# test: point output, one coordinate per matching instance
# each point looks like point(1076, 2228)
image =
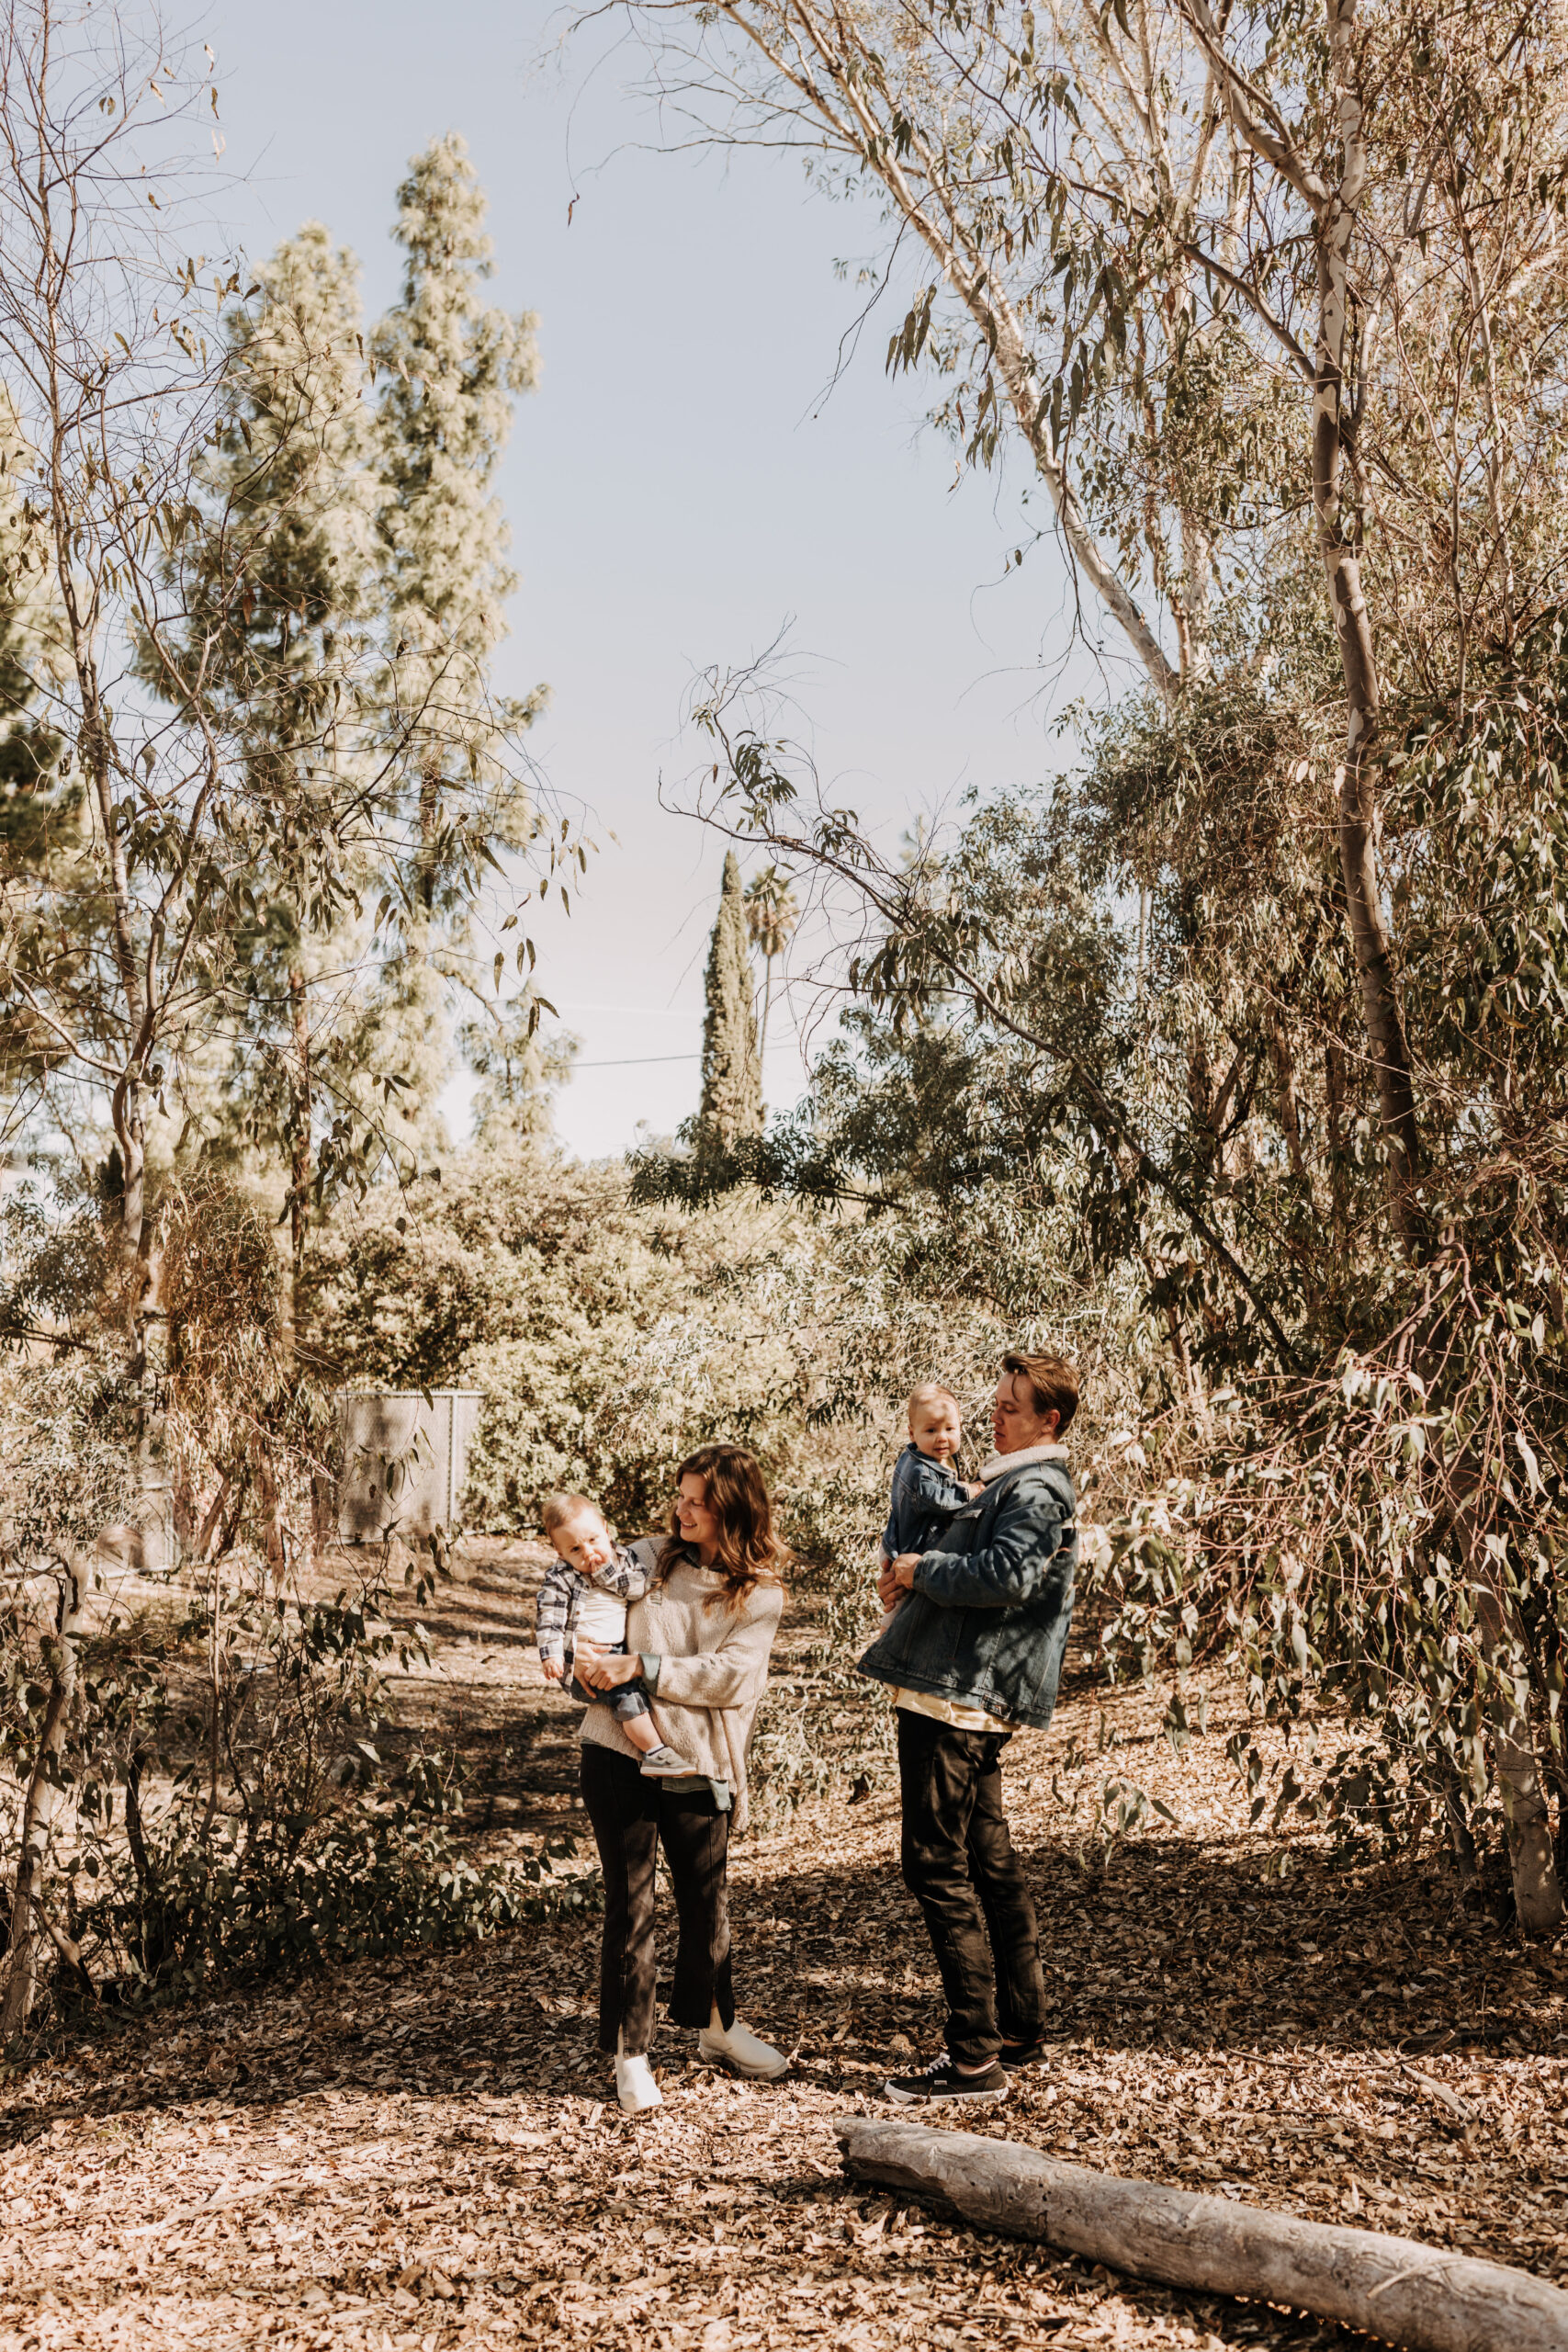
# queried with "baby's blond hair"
point(556, 1510)
point(927, 1394)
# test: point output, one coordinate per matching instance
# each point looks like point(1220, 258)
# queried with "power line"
point(645, 1061)
point(637, 1061)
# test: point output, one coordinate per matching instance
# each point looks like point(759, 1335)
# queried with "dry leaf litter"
point(427, 2152)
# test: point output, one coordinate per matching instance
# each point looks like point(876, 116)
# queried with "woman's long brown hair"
point(748, 1551)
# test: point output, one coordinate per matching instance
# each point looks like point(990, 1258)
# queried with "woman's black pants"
point(632, 1817)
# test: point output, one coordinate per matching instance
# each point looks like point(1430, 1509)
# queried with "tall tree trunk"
point(301, 1163)
point(1334, 1110)
point(1500, 1641)
point(1338, 501)
point(1289, 1109)
point(47, 1799)
point(1532, 1864)
point(429, 820)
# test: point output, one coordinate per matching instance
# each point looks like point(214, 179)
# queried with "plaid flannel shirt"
point(561, 1596)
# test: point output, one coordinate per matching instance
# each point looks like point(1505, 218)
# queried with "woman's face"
point(699, 1526)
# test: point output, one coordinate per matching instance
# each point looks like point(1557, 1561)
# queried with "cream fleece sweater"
point(713, 1667)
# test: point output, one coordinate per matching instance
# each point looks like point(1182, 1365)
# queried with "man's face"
point(1014, 1421)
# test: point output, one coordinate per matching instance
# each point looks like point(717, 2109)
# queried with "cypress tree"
point(732, 1068)
point(448, 365)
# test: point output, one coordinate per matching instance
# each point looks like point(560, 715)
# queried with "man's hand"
point(600, 1672)
point(553, 1669)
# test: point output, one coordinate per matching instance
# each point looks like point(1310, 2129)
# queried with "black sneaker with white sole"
point(943, 2080)
point(1014, 2056)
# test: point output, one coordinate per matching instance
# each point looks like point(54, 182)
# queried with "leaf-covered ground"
point(427, 2152)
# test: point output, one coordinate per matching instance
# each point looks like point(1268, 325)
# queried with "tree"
point(772, 914)
point(1341, 1426)
point(360, 651)
point(1210, 286)
point(120, 961)
point(291, 507)
point(119, 966)
point(732, 1072)
point(40, 810)
point(183, 472)
point(521, 1070)
point(448, 366)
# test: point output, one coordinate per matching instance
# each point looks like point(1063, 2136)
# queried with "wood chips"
point(427, 2152)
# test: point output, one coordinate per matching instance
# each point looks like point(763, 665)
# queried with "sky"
point(688, 481)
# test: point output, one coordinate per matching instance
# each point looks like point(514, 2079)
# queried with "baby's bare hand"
point(552, 1670)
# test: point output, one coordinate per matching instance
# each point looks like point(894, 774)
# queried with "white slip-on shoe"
point(635, 2086)
point(739, 2049)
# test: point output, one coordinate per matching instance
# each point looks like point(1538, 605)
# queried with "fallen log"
point(1415, 2296)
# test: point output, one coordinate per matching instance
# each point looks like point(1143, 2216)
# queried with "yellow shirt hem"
point(949, 1711)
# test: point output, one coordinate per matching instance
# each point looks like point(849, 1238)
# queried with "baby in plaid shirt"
point(584, 1599)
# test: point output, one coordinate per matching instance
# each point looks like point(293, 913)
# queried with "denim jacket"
point(987, 1622)
point(925, 1495)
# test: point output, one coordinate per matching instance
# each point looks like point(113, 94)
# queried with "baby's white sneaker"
point(635, 2086)
point(738, 2048)
point(666, 1763)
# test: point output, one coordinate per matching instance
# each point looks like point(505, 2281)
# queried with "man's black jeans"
point(961, 1869)
point(632, 1817)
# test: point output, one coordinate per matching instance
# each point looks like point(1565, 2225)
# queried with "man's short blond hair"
point(927, 1394)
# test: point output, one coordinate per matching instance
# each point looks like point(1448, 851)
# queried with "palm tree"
point(772, 913)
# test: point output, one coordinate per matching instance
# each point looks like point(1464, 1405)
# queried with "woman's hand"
point(600, 1672)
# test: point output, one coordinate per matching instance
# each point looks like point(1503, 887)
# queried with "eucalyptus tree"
point(1216, 275)
point(117, 967)
point(119, 956)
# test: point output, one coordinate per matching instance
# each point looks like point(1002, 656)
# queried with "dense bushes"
point(194, 1792)
point(608, 1339)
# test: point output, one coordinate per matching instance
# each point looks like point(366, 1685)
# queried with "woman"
point(700, 1639)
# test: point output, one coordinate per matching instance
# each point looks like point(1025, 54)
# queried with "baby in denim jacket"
point(927, 1489)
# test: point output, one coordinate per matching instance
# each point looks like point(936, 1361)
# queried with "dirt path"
point(422, 2153)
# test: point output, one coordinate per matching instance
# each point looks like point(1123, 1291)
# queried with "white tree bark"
point(1532, 1863)
point(47, 1798)
point(1337, 503)
point(1415, 2296)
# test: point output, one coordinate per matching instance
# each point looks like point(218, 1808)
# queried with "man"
point(973, 1651)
